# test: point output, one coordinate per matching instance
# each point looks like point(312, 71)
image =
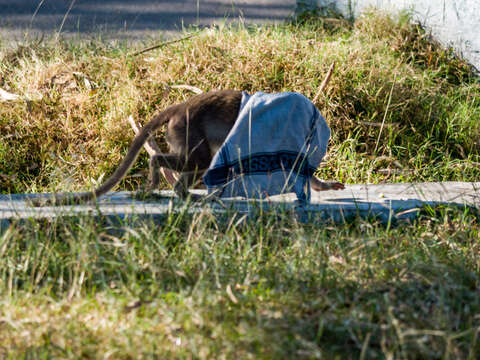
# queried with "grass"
point(78, 131)
point(268, 287)
point(265, 287)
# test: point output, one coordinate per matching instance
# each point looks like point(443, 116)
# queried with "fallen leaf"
point(335, 260)
point(6, 96)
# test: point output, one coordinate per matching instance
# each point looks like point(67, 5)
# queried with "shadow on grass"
point(427, 312)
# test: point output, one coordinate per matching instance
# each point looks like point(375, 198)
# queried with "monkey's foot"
point(318, 185)
point(38, 202)
point(194, 197)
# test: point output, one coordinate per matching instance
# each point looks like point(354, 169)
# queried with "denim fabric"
point(275, 145)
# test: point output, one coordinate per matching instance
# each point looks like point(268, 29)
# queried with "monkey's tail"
point(118, 174)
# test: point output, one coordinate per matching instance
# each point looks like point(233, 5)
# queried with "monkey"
point(196, 129)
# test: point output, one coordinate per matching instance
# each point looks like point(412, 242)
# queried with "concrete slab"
point(384, 201)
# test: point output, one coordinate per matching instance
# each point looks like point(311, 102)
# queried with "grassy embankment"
point(386, 73)
point(267, 288)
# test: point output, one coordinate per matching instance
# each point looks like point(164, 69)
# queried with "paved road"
point(134, 18)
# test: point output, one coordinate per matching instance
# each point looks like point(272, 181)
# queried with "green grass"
point(268, 287)
point(265, 287)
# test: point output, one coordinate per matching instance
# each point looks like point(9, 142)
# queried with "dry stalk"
point(324, 83)
point(165, 43)
point(187, 87)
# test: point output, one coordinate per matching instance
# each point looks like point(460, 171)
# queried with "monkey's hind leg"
point(186, 181)
point(167, 161)
point(190, 174)
point(319, 185)
point(156, 163)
